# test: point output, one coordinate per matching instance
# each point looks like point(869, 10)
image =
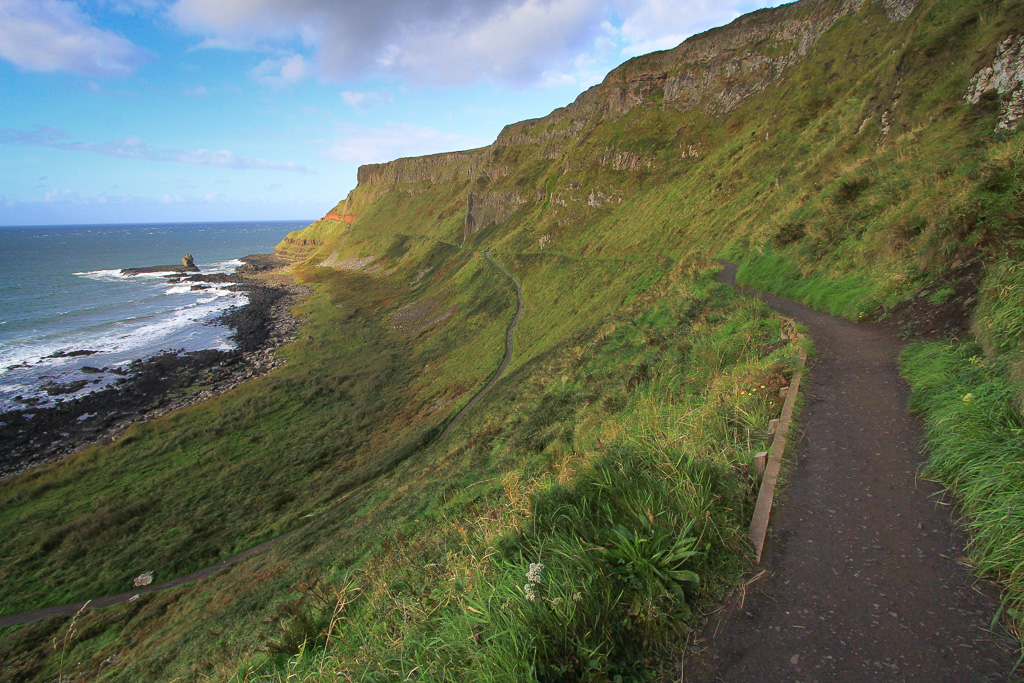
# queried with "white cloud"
point(55, 35)
point(62, 196)
point(134, 7)
point(281, 72)
point(227, 159)
point(97, 89)
point(587, 69)
point(515, 43)
point(522, 42)
point(366, 99)
point(364, 145)
point(434, 41)
point(662, 24)
point(225, 44)
point(136, 148)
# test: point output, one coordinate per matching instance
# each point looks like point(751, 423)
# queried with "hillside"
point(860, 155)
point(843, 139)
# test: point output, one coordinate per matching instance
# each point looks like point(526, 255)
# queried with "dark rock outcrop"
point(487, 208)
point(257, 263)
point(188, 265)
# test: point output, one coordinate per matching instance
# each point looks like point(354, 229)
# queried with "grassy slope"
point(658, 444)
point(339, 434)
point(818, 205)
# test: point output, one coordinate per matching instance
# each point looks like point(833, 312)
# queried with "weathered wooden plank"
point(766, 494)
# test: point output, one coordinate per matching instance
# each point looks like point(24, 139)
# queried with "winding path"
point(862, 579)
point(508, 348)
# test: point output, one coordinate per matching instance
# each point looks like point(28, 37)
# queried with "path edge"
point(766, 494)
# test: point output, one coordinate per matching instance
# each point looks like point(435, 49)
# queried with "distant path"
point(508, 348)
point(74, 607)
point(863, 581)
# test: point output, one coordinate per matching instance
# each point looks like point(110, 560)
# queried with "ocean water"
point(62, 291)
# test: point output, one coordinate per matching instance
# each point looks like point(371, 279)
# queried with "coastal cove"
point(96, 349)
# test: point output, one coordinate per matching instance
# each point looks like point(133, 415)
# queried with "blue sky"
point(119, 111)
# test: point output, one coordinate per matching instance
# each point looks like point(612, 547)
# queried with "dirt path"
point(508, 348)
point(862, 579)
point(73, 608)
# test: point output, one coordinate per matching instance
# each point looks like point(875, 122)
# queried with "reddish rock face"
point(332, 216)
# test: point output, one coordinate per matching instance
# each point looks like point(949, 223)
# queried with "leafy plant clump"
point(652, 557)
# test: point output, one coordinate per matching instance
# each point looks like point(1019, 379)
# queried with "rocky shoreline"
point(155, 386)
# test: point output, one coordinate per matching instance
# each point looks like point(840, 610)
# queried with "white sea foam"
point(105, 275)
point(147, 334)
point(217, 292)
point(166, 326)
point(228, 266)
point(115, 275)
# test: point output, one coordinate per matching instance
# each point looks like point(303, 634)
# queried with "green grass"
point(998, 322)
point(851, 296)
point(156, 499)
point(635, 501)
point(426, 544)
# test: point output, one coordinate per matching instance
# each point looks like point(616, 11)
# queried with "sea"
point(65, 306)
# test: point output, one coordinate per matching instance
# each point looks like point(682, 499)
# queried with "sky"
point(135, 111)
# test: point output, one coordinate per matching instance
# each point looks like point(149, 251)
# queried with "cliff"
point(760, 134)
point(435, 168)
point(708, 75)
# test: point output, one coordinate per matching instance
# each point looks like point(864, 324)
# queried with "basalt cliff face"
point(712, 73)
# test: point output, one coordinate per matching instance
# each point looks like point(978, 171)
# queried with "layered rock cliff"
point(434, 168)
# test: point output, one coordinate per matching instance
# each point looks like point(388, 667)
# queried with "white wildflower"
point(528, 591)
point(536, 573)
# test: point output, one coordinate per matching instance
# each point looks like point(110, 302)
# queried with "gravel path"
point(863, 580)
